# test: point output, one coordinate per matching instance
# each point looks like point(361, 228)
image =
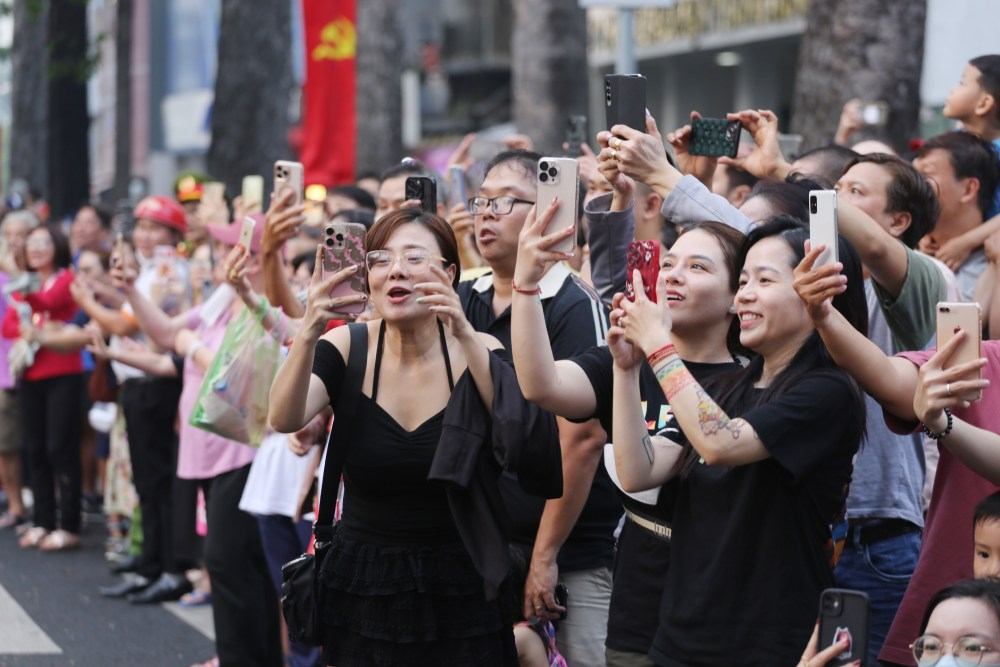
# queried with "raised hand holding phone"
point(559, 178)
point(343, 245)
point(823, 227)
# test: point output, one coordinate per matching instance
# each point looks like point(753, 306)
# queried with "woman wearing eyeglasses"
point(402, 587)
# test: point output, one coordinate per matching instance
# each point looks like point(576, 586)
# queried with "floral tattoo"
point(712, 419)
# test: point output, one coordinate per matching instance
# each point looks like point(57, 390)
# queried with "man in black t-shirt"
point(570, 539)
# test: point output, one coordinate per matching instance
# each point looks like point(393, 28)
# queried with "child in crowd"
point(986, 523)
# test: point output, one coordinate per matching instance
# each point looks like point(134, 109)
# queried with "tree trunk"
point(69, 122)
point(250, 115)
point(867, 49)
point(379, 103)
point(549, 68)
point(123, 100)
point(29, 147)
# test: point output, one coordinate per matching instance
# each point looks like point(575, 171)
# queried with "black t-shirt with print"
point(641, 559)
point(751, 542)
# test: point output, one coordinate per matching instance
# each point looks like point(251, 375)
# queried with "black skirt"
point(412, 605)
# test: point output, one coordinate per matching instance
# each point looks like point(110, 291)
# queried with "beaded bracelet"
point(528, 292)
point(937, 436)
point(661, 354)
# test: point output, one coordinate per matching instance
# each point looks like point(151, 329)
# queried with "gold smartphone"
point(967, 317)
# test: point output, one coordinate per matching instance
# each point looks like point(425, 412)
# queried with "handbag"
point(233, 399)
point(302, 593)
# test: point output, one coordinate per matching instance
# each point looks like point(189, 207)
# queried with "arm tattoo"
point(647, 444)
point(712, 419)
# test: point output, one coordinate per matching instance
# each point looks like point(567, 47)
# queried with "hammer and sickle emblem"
point(338, 41)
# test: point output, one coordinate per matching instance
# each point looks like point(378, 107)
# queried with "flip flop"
point(196, 599)
point(59, 540)
point(33, 537)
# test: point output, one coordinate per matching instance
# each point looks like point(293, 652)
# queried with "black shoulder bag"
point(301, 591)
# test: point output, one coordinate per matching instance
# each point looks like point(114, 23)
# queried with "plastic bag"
point(233, 399)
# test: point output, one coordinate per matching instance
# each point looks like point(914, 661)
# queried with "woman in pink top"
point(50, 384)
point(244, 603)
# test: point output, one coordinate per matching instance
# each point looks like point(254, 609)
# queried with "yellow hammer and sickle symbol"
point(338, 41)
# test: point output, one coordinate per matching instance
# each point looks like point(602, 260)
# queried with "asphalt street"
point(51, 614)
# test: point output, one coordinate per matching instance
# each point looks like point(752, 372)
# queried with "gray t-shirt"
point(889, 469)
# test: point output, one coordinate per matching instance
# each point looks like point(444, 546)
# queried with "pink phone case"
point(344, 245)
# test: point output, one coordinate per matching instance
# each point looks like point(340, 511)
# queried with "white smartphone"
point(289, 174)
point(559, 177)
point(823, 224)
point(246, 231)
point(252, 193)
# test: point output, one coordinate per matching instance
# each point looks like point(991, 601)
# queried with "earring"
point(732, 310)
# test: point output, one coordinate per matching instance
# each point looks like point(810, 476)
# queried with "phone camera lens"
point(328, 231)
point(553, 172)
point(329, 243)
point(544, 166)
point(812, 204)
point(340, 237)
point(543, 177)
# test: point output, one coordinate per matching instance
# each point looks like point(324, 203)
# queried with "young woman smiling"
point(765, 466)
point(700, 271)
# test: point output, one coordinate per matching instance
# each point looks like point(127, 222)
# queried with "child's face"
point(986, 561)
point(964, 96)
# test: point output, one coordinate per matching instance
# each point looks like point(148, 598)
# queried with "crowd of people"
point(537, 470)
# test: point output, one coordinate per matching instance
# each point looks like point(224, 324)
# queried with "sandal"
point(8, 520)
point(196, 599)
point(33, 537)
point(60, 540)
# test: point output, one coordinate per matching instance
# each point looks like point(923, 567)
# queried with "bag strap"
point(336, 444)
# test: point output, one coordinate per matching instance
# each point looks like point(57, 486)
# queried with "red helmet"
point(163, 210)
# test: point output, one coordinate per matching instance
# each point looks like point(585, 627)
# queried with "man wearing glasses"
point(569, 540)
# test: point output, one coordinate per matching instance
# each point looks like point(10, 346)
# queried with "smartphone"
point(423, 188)
point(214, 192)
point(287, 175)
point(559, 177)
point(246, 231)
point(576, 134)
point(823, 224)
point(561, 595)
point(715, 137)
point(644, 256)
point(119, 258)
point(625, 100)
point(456, 181)
point(252, 193)
point(165, 262)
point(843, 614)
point(875, 112)
point(967, 317)
point(344, 245)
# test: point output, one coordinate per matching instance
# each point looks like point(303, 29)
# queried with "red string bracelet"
point(531, 292)
point(661, 354)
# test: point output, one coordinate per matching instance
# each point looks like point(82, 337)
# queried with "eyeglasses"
point(968, 651)
point(500, 205)
point(413, 259)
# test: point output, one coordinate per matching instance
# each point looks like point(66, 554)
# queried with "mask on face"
point(949, 660)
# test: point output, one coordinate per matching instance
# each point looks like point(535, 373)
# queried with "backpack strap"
point(336, 445)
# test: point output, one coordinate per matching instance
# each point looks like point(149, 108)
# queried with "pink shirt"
point(202, 454)
point(947, 550)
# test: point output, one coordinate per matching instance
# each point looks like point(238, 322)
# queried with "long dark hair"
point(737, 395)
point(62, 258)
point(984, 590)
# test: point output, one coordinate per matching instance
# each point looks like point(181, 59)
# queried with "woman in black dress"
point(402, 587)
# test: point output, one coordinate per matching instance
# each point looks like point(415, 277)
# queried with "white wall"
point(957, 31)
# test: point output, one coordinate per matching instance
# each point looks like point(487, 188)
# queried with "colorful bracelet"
point(937, 436)
point(661, 354)
point(528, 292)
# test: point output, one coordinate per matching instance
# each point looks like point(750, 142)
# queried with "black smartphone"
point(561, 594)
point(423, 188)
point(843, 614)
point(576, 134)
point(625, 100)
point(715, 137)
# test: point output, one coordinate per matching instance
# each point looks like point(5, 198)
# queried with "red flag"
point(328, 123)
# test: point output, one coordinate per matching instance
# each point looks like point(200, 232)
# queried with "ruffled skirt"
point(414, 605)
